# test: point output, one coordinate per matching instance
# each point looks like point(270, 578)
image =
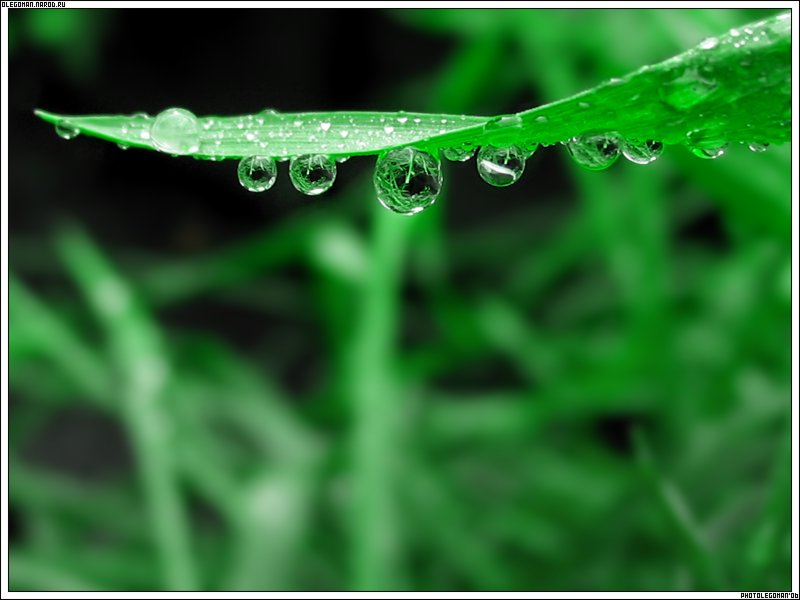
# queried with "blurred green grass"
point(587, 395)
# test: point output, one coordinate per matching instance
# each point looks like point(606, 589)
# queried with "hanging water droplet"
point(641, 153)
point(342, 159)
point(757, 147)
point(529, 147)
point(66, 130)
point(257, 173)
point(312, 174)
point(407, 180)
point(176, 131)
point(460, 153)
point(501, 167)
point(594, 152)
point(709, 152)
point(123, 146)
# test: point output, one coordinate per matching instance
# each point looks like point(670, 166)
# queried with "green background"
point(581, 382)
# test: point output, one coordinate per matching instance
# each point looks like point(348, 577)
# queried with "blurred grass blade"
point(140, 359)
point(731, 88)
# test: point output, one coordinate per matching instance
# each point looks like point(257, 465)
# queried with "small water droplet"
point(694, 85)
point(388, 129)
point(594, 152)
point(459, 153)
point(257, 173)
point(583, 105)
point(541, 119)
point(501, 167)
point(503, 122)
point(342, 159)
point(324, 126)
point(735, 33)
point(709, 43)
point(402, 120)
point(176, 131)
point(123, 146)
point(250, 136)
point(407, 180)
point(641, 153)
point(66, 130)
point(269, 112)
point(709, 152)
point(344, 133)
point(757, 147)
point(312, 174)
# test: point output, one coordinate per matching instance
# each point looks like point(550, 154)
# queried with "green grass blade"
point(732, 88)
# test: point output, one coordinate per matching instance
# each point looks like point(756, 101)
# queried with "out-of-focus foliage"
point(581, 382)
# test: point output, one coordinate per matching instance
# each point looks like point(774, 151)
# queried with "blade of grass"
point(676, 509)
point(729, 89)
point(140, 360)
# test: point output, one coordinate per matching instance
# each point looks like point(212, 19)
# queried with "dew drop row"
point(407, 180)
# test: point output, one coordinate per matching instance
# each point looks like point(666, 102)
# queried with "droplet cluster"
point(407, 179)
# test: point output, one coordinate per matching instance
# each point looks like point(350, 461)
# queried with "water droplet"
point(541, 119)
point(66, 130)
point(325, 126)
point(312, 174)
point(501, 167)
point(594, 152)
point(388, 129)
point(344, 133)
point(529, 147)
point(123, 146)
point(757, 147)
point(735, 32)
point(709, 43)
point(504, 129)
point(460, 153)
point(641, 153)
point(583, 105)
point(407, 180)
point(402, 120)
point(257, 173)
point(503, 122)
point(692, 87)
point(342, 159)
point(176, 131)
point(709, 152)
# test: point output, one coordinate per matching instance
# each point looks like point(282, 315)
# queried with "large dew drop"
point(312, 174)
point(709, 152)
point(66, 130)
point(407, 180)
point(257, 173)
point(641, 153)
point(176, 131)
point(594, 152)
point(501, 167)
